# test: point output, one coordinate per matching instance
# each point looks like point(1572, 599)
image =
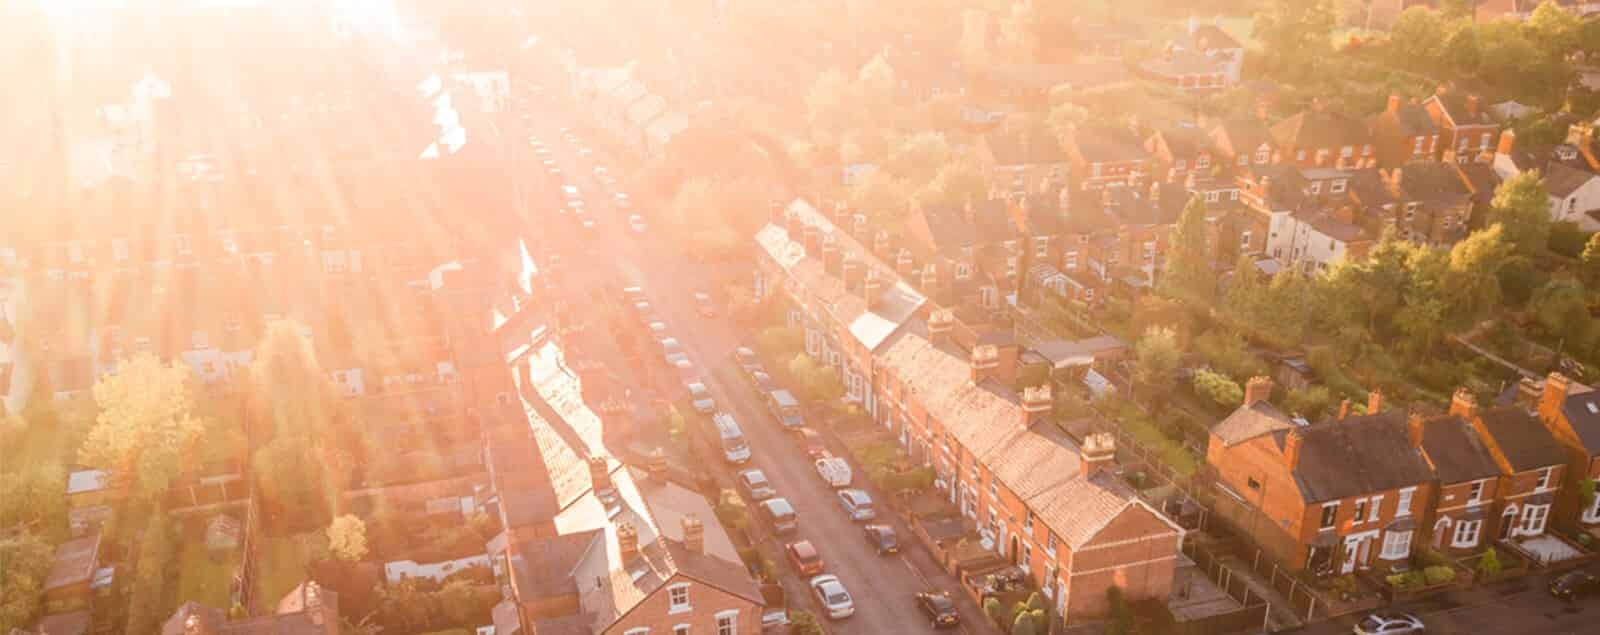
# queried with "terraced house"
point(1051, 505)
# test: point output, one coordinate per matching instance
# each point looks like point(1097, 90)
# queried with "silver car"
point(1389, 623)
point(832, 595)
point(701, 398)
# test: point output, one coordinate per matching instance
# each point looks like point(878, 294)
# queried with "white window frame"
point(1396, 545)
point(1475, 495)
point(638, 630)
point(1041, 247)
point(680, 629)
point(1373, 511)
point(1533, 520)
point(1265, 154)
point(1545, 476)
point(1244, 160)
point(1182, 164)
point(1070, 260)
point(1336, 187)
point(1346, 152)
point(1244, 239)
point(1213, 196)
point(1466, 534)
point(1202, 162)
point(1327, 521)
point(675, 604)
point(1361, 512)
point(1403, 508)
point(963, 271)
point(732, 625)
point(1416, 148)
point(1316, 187)
point(1592, 514)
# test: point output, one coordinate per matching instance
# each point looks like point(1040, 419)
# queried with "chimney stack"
point(1394, 105)
point(1099, 452)
point(793, 228)
point(1508, 142)
point(1528, 394)
point(1344, 409)
point(694, 534)
point(600, 474)
point(1554, 395)
point(1258, 389)
point(1374, 402)
point(871, 288)
point(1291, 448)
point(985, 361)
point(1037, 404)
point(851, 271)
point(941, 322)
point(841, 214)
point(1463, 404)
point(627, 543)
point(831, 260)
point(812, 239)
point(930, 279)
point(1414, 429)
point(903, 263)
point(656, 467)
point(880, 244)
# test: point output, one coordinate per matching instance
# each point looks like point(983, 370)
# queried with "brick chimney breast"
point(1374, 402)
point(1258, 389)
point(872, 287)
point(940, 324)
point(1291, 449)
point(1508, 142)
point(627, 543)
point(1344, 409)
point(1414, 428)
point(903, 263)
point(694, 534)
point(656, 467)
point(1037, 404)
point(1463, 404)
point(600, 474)
point(985, 360)
point(1099, 452)
point(1528, 393)
point(831, 260)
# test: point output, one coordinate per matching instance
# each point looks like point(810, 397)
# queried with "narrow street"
point(1521, 606)
point(882, 586)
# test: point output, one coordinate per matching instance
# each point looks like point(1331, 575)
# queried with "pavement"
point(882, 586)
point(1521, 606)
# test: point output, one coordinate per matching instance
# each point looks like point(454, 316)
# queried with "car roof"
point(855, 493)
point(753, 474)
point(941, 600)
point(778, 504)
point(804, 549)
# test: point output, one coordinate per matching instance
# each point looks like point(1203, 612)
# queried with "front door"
point(1351, 550)
point(1364, 554)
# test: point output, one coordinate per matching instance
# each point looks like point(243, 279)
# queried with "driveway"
point(882, 586)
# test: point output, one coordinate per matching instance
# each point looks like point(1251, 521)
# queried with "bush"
point(1311, 403)
point(992, 608)
point(1439, 574)
point(731, 510)
point(1567, 240)
point(1407, 580)
point(1218, 388)
point(1489, 563)
point(804, 623)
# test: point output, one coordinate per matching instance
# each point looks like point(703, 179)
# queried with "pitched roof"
point(1039, 463)
point(1023, 146)
point(1582, 411)
point(1524, 440)
point(1361, 454)
point(1410, 120)
point(1212, 35)
point(1184, 141)
point(1184, 62)
point(1562, 180)
point(1245, 135)
point(1320, 129)
point(1454, 105)
point(1248, 422)
point(75, 562)
point(1107, 145)
point(1457, 453)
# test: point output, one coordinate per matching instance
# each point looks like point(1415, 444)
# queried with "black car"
point(1574, 585)
point(939, 608)
point(882, 538)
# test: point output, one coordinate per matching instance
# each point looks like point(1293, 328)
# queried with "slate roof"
point(1015, 147)
point(75, 562)
point(1321, 129)
point(1040, 464)
point(1410, 121)
point(1368, 453)
point(1107, 145)
point(1524, 440)
point(1245, 135)
point(1184, 142)
point(1184, 63)
point(541, 566)
point(1457, 452)
point(1249, 422)
point(1425, 182)
point(1583, 413)
point(1455, 105)
point(1562, 180)
point(1059, 351)
point(1213, 36)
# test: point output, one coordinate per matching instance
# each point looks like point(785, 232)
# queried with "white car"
point(621, 200)
point(1389, 623)
point(636, 223)
point(701, 398)
point(600, 172)
point(832, 595)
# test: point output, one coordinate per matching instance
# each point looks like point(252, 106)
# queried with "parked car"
point(747, 360)
point(658, 330)
point(780, 515)
point(804, 558)
point(672, 351)
point(939, 608)
point(812, 442)
point(882, 538)
point(1574, 585)
point(774, 621)
point(1389, 623)
point(786, 408)
point(704, 305)
point(636, 223)
point(734, 447)
point(644, 311)
point(763, 382)
point(633, 294)
point(858, 504)
point(621, 200)
point(700, 398)
point(755, 484)
point(835, 471)
point(835, 600)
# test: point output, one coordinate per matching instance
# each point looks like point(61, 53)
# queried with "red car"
point(804, 558)
point(812, 442)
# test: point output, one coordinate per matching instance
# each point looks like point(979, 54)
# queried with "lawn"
point(283, 563)
point(205, 577)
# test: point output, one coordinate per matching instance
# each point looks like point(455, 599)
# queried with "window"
point(1027, 556)
point(1149, 250)
point(1202, 162)
point(1253, 483)
point(1244, 239)
point(1212, 197)
point(1027, 521)
point(677, 598)
point(1366, 150)
point(1233, 195)
point(1592, 514)
point(727, 623)
point(1316, 187)
point(1050, 539)
point(1466, 533)
point(1346, 152)
point(1330, 512)
point(1336, 187)
point(1181, 164)
point(1403, 508)
point(963, 271)
point(1072, 261)
point(1483, 141)
point(1322, 156)
point(1361, 511)
point(1041, 247)
point(1477, 493)
point(681, 629)
point(1396, 545)
point(1244, 159)
point(1544, 477)
point(642, 630)
point(1416, 148)
point(1533, 517)
point(1377, 503)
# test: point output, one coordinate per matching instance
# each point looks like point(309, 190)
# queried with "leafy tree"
point(1418, 37)
point(1561, 309)
point(291, 474)
point(993, 609)
point(1553, 28)
point(1227, 352)
point(1365, 293)
point(1218, 388)
point(876, 85)
point(1312, 403)
point(347, 538)
point(1462, 53)
point(146, 605)
point(831, 106)
point(407, 604)
point(820, 383)
point(1023, 625)
point(1064, 117)
point(804, 623)
point(1489, 563)
point(780, 341)
point(1471, 288)
point(883, 197)
point(1589, 262)
point(461, 602)
point(957, 184)
point(146, 424)
point(1295, 35)
point(1156, 357)
point(35, 497)
point(290, 391)
point(731, 510)
point(25, 561)
point(1244, 303)
point(919, 156)
point(1188, 274)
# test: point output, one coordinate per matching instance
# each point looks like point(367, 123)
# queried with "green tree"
point(291, 474)
point(1244, 303)
point(347, 538)
point(804, 623)
point(34, 498)
point(819, 382)
point(1156, 357)
point(1462, 53)
point(1553, 28)
point(1489, 563)
point(1561, 309)
point(461, 603)
point(1589, 262)
point(919, 156)
point(883, 197)
point(877, 86)
point(1472, 285)
point(25, 561)
point(146, 606)
point(407, 604)
point(1188, 274)
point(289, 390)
point(831, 107)
point(1418, 38)
point(957, 184)
point(1312, 403)
point(731, 510)
point(146, 424)
point(1065, 117)
point(1218, 388)
point(1295, 35)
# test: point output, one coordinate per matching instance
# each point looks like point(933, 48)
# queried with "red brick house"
point(1532, 465)
point(1467, 134)
point(1572, 414)
point(1466, 482)
point(1426, 203)
point(1242, 142)
point(1319, 138)
point(1102, 157)
point(1332, 497)
point(1051, 506)
point(1019, 158)
point(1404, 132)
point(1177, 151)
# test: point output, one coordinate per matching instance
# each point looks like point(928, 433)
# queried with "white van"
point(734, 447)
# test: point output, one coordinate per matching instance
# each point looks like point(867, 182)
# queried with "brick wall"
point(705, 602)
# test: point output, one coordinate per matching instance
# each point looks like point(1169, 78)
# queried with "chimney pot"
point(1394, 104)
point(694, 534)
point(1508, 142)
point(1528, 393)
point(656, 466)
point(851, 271)
point(599, 473)
point(627, 542)
point(1463, 404)
point(903, 263)
point(1374, 402)
point(831, 260)
point(940, 324)
point(1037, 404)
point(1258, 389)
point(1291, 449)
point(985, 360)
point(1099, 452)
point(872, 288)
point(1344, 409)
